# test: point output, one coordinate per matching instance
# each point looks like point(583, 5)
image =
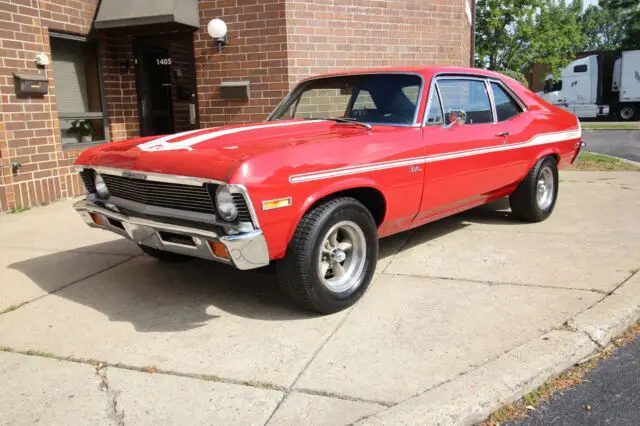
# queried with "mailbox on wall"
point(30, 84)
point(235, 90)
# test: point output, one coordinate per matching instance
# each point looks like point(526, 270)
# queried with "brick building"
point(119, 69)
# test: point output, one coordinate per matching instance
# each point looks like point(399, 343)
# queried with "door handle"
point(503, 134)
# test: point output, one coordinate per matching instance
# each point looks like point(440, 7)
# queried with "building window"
point(78, 90)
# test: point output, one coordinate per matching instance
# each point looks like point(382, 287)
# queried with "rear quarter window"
point(506, 106)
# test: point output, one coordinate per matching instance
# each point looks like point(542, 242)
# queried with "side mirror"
point(457, 117)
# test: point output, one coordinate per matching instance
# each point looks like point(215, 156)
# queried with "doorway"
point(166, 84)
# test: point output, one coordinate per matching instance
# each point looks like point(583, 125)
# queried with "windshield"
point(369, 98)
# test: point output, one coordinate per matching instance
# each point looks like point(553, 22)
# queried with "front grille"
point(160, 194)
point(87, 176)
point(243, 209)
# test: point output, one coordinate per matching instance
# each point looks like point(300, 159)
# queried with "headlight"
point(101, 187)
point(224, 204)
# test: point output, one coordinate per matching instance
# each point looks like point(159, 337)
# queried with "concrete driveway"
point(94, 332)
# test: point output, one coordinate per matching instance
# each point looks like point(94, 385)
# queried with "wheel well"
point(555, 157)
point(371, 198)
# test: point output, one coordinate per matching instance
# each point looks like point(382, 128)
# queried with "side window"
point(434, 115)
point(552, 86)
point(506, 107)
point(468, 96)
point(580, 68)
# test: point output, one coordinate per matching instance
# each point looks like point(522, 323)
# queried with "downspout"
point(473, 33)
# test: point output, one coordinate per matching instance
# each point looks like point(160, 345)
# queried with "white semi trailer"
point(582, 89)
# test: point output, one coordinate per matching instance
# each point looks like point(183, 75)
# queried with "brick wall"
point(29, 132)
point(340, 34)
point(256, 52)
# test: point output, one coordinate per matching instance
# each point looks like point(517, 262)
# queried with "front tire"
point(332, 256)
point(535, 197)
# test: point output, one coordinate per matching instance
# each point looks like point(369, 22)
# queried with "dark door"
point(153, 71)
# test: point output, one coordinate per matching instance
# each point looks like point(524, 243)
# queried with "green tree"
point(513, 35)
point(497, 25)
point(604, 28)
point(558, 35)
point(630, 11)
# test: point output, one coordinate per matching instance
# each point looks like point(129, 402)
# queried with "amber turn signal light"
point(218, 249)
point(97, 219)
point(276, 204)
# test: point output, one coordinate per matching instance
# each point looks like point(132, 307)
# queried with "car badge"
point(134, 175)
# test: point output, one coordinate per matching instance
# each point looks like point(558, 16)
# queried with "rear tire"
point(164, 256)
point(535, 197)
point(628, 112)
point(332, 256)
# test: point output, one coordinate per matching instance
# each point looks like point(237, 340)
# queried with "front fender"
point(280, 225)
point(335, 187)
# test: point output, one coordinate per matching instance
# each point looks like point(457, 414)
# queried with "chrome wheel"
point(545, 188)
point(342, 257)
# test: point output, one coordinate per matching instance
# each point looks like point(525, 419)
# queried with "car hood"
point(213, 153)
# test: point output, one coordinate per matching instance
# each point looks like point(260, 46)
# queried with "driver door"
point(456, 172)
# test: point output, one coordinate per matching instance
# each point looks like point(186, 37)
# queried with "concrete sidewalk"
point(464, 314)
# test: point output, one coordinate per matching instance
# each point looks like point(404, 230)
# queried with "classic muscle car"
point(344, 159)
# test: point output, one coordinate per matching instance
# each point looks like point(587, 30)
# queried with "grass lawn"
point(608, 125)
point(588, 161)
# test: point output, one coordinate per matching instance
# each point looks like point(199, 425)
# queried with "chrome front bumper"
point(245, 251)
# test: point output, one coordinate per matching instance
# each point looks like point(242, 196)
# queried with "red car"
point(344, 159)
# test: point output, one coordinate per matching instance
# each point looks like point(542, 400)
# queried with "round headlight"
point(101, 187)
point(224, 204)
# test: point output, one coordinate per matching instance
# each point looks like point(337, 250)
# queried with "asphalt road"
point(611, 390)
point(618, 143)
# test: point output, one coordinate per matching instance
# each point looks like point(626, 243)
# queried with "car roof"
point(426, 71)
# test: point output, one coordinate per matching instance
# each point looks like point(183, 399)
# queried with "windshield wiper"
point(348, 121)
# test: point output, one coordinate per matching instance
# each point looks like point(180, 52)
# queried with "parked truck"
point(598, 86)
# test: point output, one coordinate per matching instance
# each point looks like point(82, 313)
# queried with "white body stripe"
point(544, 139)
point(163, 144)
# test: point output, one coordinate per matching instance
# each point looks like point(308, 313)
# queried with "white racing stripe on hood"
point(163, 143)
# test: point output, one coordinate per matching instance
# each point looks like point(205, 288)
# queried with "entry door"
point(153, 70)
point(457, 172)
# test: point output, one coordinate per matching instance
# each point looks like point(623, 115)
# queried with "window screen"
point(466, 95)
point(506, 107)
point(78, 95)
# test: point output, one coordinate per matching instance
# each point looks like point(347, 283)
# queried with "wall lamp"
point(217, 29)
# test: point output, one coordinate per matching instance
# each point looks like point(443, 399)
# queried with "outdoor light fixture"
point(217, 29)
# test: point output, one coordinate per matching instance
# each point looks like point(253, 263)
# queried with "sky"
point(589, 2)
